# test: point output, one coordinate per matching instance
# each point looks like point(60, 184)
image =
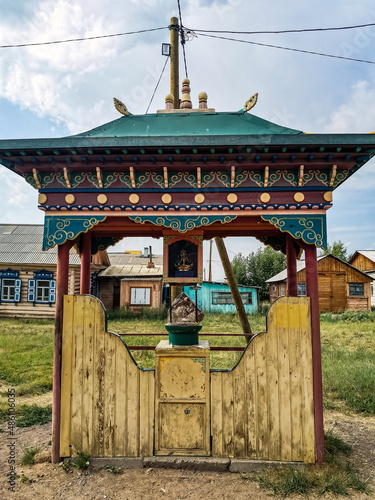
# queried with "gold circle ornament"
point(70, 199)
point(328, 197)
point(265, 197)
point(166, 198)
point(199, 198)
point(232, 198)
point(42, 198)
point(102, 199)
point(134, 199)
point(299, 197)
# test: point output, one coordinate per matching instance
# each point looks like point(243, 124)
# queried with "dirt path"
point(49, 481)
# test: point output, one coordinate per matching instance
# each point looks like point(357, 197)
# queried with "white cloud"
point(73, 84)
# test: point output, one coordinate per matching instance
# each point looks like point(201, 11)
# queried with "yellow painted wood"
point(269, 395)
point(106, 411)
point(216, 415)
point(77, 378)
point(66, 377)
point(88, 382)
point(262, 409)
point(182, 405)
point(274, 388)
point(288, 316)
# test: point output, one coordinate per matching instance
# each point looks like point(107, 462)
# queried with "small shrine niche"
point(183, 259)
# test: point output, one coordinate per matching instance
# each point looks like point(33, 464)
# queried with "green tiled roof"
point(187, 124)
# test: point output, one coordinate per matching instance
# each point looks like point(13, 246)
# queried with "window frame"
point(361, 286)
point(45, 289)
point(301, 289)
point(215, 299)
point(3, 299)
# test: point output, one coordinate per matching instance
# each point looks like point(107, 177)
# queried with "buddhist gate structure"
point(191, 174)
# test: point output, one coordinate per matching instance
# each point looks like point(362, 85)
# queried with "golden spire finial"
point(185, 98)
point(202, 97)
point(169, 101)
point(120, 106)
point(250, 103)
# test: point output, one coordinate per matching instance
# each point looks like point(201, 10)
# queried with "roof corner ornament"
point(250, 103)
point(120, 106)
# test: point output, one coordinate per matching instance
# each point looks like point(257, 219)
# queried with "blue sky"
point(64, 89)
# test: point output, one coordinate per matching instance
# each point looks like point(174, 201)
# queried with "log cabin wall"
point(334, 277)
point(153, 284)
point(335, 294)
point(25, 309)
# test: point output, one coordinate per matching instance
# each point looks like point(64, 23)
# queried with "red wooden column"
point(85, 263)
point(291, 266)
point(62, 279)
point(313, 293)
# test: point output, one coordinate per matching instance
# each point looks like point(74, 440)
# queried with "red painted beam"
point(291, 263)
point(62, 277)
point(85, 263)
point(313, 293)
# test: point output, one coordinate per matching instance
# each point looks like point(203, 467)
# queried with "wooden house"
point(341, 286)
point(28, 275)
point(216, 297)
point(131, 281)
point(364, 260)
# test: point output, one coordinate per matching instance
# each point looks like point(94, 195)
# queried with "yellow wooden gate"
point(261, 409)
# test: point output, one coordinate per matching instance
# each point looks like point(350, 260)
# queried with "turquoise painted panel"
point(60, 228)
point(311, 229)
point(211, 298)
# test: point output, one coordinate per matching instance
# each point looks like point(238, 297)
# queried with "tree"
point(338, 249)
point(258, 267)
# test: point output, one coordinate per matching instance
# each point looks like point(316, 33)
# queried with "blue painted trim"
point(182, 224)
point(101, 208)
point(9, 273)
point(60, 228)
point(312, 229)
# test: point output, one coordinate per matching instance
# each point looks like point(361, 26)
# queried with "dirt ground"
point(49, 481)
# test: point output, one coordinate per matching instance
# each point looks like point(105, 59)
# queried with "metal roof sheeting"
point(128, 259)
point(22, 244)
point(131, 271)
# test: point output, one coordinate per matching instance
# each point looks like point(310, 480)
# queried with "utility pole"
point(232, 282)
point(175, 84)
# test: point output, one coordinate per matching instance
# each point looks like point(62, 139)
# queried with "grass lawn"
point(348, 353)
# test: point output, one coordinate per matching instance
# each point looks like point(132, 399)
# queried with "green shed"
point(216, 297)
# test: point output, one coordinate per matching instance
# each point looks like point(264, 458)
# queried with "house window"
point(42, 290)
point(10, 286)
point(372, 288)
point(356, 289)
point(223, 298)
point(301, 289)
point(140, 296)
point(273, 289)
point(282, 289)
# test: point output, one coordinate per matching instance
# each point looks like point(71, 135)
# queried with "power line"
point(182, 34)
point(304, 30)
point(82, 39)
point(288, 48)
point(157, 85)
